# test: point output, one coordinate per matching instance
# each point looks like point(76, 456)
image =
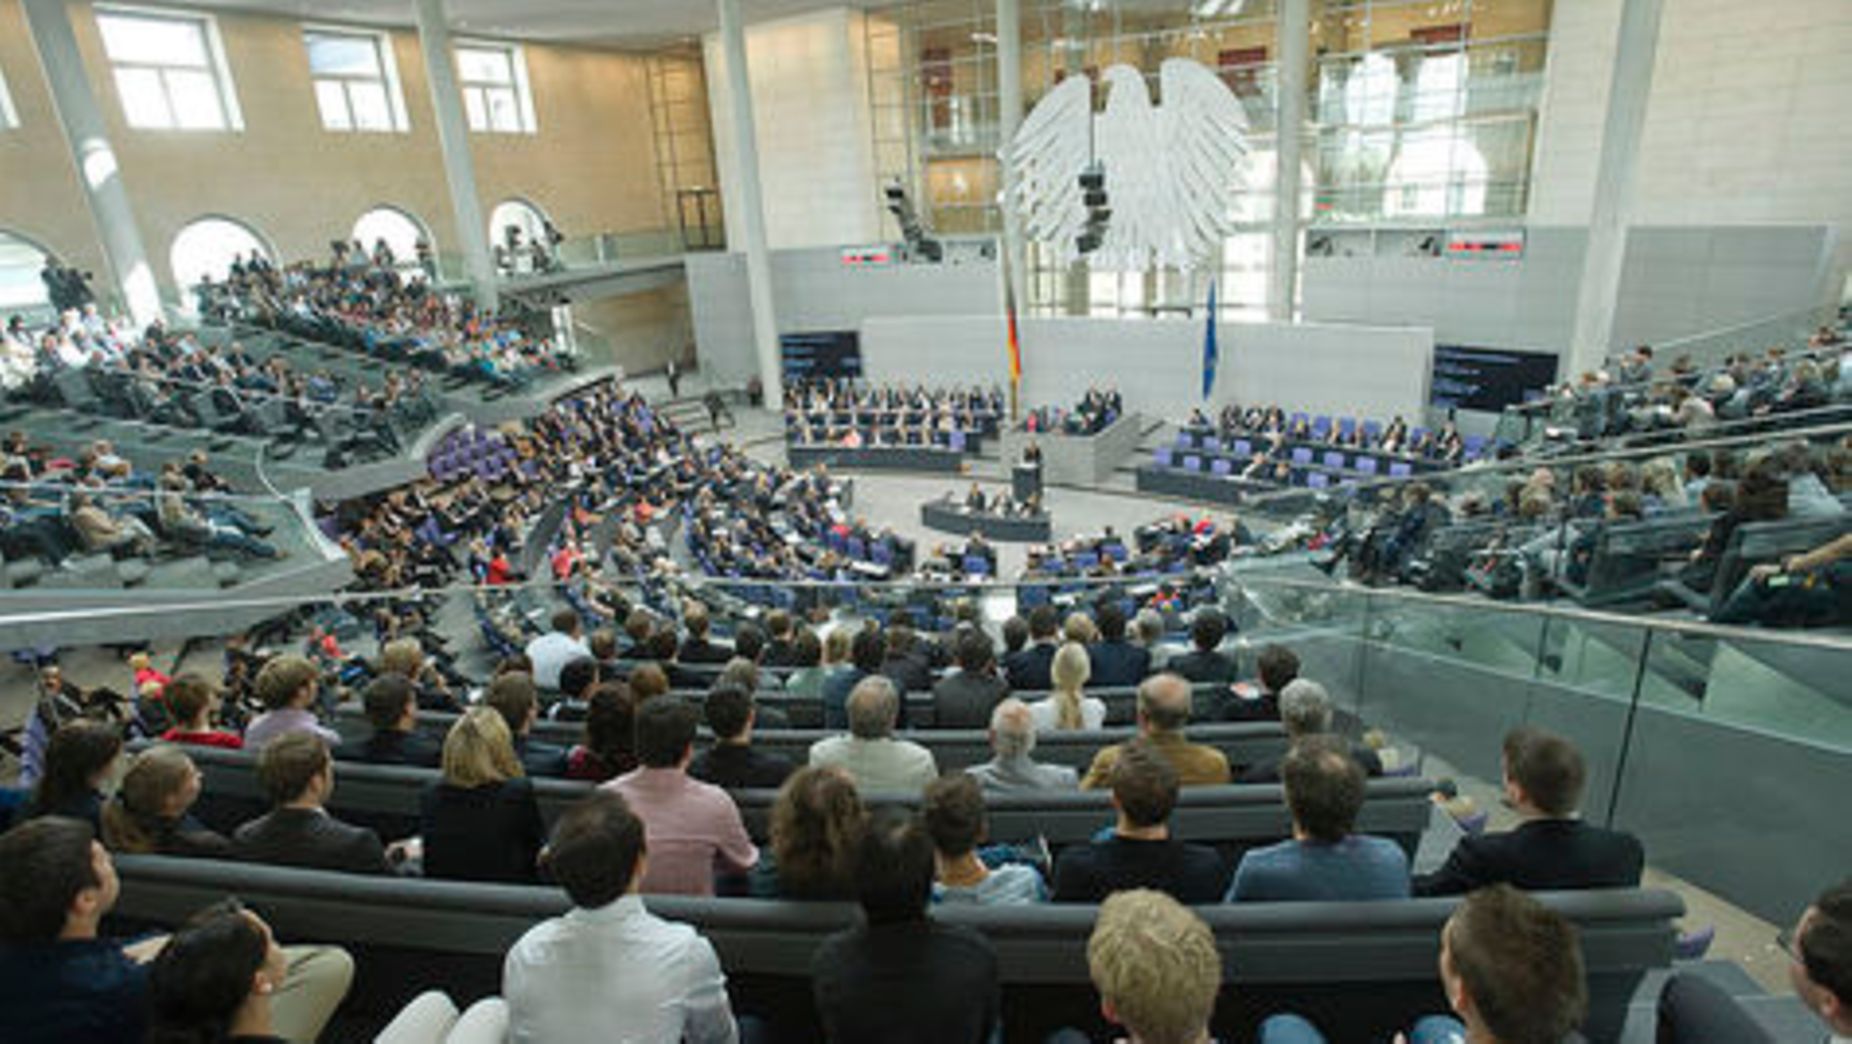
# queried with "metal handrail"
point(1686, 628)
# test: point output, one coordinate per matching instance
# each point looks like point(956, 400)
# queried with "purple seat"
point(1318, 480)
point(1243, 448)
point(1373, 430)
point(1302, 456)
point(1220, 466)
point(1117, 552)
point(1192, 463)
point(1400, 469)
point(976, 565)
point(1321, 426)
point(858, 549)
point(1366, 465)
point(1086, 560)
point(882, 554)
point(1165, 456)
point(957, 441)
point(1334, 459)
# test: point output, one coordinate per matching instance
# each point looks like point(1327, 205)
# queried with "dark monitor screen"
point(822, 354)
point(1488, 379)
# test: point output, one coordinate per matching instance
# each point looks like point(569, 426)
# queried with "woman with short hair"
point(481, 821)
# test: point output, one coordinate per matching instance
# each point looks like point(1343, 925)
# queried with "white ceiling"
point(617, 23)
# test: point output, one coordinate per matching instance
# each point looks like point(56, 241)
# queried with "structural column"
point(453, 138)
point(1292, 39)
point(84, 132)
point(1009, 118)
point(751, 203)
point(1615, 177)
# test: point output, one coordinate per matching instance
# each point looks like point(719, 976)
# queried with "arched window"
point(21, 261)
point(400, 231)
point(520, 214)
point(207, 248)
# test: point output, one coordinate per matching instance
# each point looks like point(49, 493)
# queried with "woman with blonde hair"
point(1066, 707)
point(481, 822)
point(151, 812)
point(817, 821)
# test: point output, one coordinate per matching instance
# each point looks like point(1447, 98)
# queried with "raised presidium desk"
point(951, 516)
point(896, 458)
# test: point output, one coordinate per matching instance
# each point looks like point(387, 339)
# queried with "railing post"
point(1633, 712)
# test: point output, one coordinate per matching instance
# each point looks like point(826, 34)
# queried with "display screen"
point(823, 354)
point(1488, 379)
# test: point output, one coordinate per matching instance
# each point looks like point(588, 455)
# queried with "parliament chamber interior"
point(981, 521)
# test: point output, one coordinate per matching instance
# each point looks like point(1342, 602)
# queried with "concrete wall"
point(591, 166)
point(1744, 125)
point(809, 78)
point(1675, 282)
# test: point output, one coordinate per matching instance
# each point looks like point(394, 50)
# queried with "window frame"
point(387, 66)
point(9, 116)
point(518, 83)
point(217, 67)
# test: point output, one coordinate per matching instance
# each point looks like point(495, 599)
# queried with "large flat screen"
point(822, 354)
point(1489, 379)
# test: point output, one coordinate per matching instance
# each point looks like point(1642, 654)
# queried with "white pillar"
point(85, 133)
point(453, 138)
point(751, 204)
point(1292, 38)
point(1628, 89)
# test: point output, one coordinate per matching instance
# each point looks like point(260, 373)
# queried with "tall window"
point(9, 116)
point(207, 248)
point(170, 70)
point(397, 229)
point(21, 260)
point(356, 80)
point(495, 92)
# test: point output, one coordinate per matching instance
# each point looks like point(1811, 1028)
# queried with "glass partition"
point(1708, 743)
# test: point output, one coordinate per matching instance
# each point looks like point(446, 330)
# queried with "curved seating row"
point(385, 797)
point(1245, 743)
point(1358, 969)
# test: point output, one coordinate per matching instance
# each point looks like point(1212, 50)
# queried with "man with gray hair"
point(1305, 710)
point(1011, 770)
point(1148, 631)
point(870, 753)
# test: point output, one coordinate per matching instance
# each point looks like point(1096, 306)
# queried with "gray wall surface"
point(1676, 282)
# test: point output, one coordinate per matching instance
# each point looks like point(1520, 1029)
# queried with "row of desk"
point(951, 516)
point(878, 458)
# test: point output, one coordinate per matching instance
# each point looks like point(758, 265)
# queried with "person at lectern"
point(974, 500)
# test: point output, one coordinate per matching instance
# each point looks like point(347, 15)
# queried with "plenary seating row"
point(1756, 542)
point(1235, 816)
point(1245, 743)
point(1360, 970)
point(874, 458)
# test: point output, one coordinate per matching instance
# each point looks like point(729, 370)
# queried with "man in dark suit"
point(298, 774)
point(1116, 662)
point(964, 698)
point(392, 706)
point(732, 763)
point(1028, 669)
point(1203, 664)
point(1553, 849)
point(515, 698)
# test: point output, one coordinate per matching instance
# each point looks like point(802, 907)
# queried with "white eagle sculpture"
point(1172, 171)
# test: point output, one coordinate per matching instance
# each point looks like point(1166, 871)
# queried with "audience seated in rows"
point(845, 413)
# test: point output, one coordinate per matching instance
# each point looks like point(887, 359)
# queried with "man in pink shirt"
point(692, 828)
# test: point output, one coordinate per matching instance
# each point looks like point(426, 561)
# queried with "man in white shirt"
point(870, 753)
point(608, 969)
point(557, 648)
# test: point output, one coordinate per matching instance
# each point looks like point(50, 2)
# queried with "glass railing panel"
point(1740, 791)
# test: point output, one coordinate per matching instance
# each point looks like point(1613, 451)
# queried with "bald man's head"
point(1164, 702)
